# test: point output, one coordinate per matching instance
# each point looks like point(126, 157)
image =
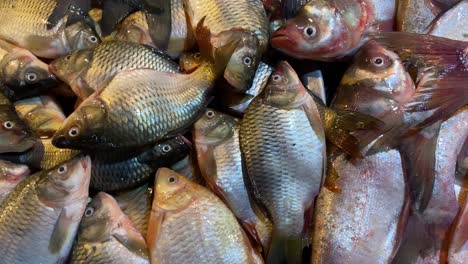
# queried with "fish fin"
point(159, 21)
point(286, 250)
point(75, 10)
point(252, 234)
point(332, 179)
point(114, 11)
point(203, 37)
point(61, 232)
point(418, 154)
point(131, 238)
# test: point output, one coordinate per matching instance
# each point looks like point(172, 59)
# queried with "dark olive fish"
point(123, 170)
point(11, 174)
point(40, 218)
point(136, 204)
point(107, 235)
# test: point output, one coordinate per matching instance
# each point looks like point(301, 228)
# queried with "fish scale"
point(104, 253)
point(136, 204)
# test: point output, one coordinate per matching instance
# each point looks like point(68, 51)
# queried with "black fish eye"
point(310, 31)
point(68, 57)
point(8, 124)
point(73, 132)
point(93, 39)
point(247, 60)
point(89, 211)
point(166, 148)
point(277, 78)
point(31, 76)
point(197, 55)
point(62, 169)
point(210, 114)
point(378, 61)
point(171, 179)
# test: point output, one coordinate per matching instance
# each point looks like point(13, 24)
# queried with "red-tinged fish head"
point(376, 82)
point(15, 135)
point(315, 33)
point(13, 173)
point(66, 182)
point(284, 89)
point(172, 191)
point(213, 127)
point(190, 61)
point(70, 66)
point(84, 128)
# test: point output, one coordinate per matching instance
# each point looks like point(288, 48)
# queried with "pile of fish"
point(222, 131)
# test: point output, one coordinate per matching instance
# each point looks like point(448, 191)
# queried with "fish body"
point(458, 249)
point(330, 30)
point(136, 204)
point(107, 235)
point(11, 174)
point(415, 16)
point(179, 230)
point(219, 157)
point(452, 24)
point(360, 219)
point(87, 70)
point(24, 23)
point(135, 29)
point(40, 218)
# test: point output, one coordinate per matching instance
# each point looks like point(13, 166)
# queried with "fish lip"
point(85, 162)
point(60, 141)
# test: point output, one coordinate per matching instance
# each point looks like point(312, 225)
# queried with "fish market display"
point(240, 132)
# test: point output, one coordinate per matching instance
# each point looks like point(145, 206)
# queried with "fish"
point(15, 135)
point(227, 21)
point(178, 222)
point(40, 218)
point(458, 248)
point(42, 114)
point(11, 174)
point(188, 168)
point(136, 204)
point(216, 137)
point(452, 23)
point(43, 155)
point(89, 69)
point(24, 24)
point(107, 235)
point(282, 139)
point(114, 11)
point(361, 210)
point(415, 16)
point(135, 29)
point(332, 30)
point(123, 170)
point(22, 73)
point(142, 106)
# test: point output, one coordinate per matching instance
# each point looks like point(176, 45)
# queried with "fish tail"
point(286, 250)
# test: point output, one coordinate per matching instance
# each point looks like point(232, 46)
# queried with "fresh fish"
point(15, 135)
point(458, 250)
point(135, 29)
point(216, 137)
point(40, 218)
point(123, 170)
point(282, 137)
point(243, 20)
point(23, 74)
point(140, 107)
point(178, 225)
point(415, 16)
point(189, 61)
point(453, 23)
point(188, 168)
point(11, 174)
point(42, 114)
point(361, 210)
point(136, 204)
point(89, 69)
point(329, 30)
point(107, 235)
point(24, 23)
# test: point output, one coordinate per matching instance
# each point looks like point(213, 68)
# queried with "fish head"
point(84, 127)
point(243, 63)
point(81, 35)
point(15, 135)
point(376, 82)
point(284, 89)
point(189, 61)
point(314, 33)
point(13, 173)
point(70, 66)
point(170, 151)
point(66, 182)
point(172, 191)
point(22, 71)
point(214, 127)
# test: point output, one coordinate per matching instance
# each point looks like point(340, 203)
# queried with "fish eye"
point(277, 78)
point(73, 132)
point(247, 60)
point(93, 39)
point(210, 114)
point(8, 124)
point(172, 179)
point(378, 61)
point(310, 31)
point(68, 57)
point(89, 212)
point(31, 76)
point(197, 55)
point(62, 169)
point(166, 148)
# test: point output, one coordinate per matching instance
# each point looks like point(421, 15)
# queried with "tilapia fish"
point(11, 174)
point(361, 210)
point(23, 74)
point(216, 138)
point(89, 69)
point(107, 235)
point(329, 30)
point(43, 155)
point(42, 114)
point(24, 23)
point(179, 231)
point(15, 135)
point(40, 218)
point(136, 204)
point(123, 170)
point(227, 21)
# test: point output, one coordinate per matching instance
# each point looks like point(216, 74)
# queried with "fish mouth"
point(280, 38)
point(85, 162)
point(60, 141)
